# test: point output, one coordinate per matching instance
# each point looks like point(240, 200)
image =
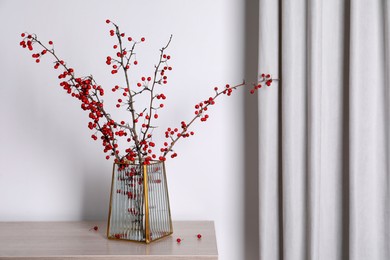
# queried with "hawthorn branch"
point(152, 96)
point(133, 129)
point(74, 83)
point(200, 112)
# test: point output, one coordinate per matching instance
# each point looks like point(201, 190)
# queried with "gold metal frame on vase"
point(147, 234)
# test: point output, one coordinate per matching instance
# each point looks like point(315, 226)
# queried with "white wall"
point(51, 170)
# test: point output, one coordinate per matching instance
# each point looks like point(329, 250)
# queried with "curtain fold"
point(324, 140)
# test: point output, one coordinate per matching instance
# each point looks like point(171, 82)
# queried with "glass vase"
point(139, 204)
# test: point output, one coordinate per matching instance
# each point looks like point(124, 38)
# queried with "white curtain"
point(324, 130)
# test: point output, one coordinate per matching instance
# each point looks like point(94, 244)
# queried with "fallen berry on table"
point(96, 228)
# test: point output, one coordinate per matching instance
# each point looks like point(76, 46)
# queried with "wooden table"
point(76, 240)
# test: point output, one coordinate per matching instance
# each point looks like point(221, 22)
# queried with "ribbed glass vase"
point(139, 204)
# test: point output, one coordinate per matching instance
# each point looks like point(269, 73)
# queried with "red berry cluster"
point(87, 91)
point(139, 131)
point(264, 78)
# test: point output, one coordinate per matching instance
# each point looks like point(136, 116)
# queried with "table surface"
point(78, 240)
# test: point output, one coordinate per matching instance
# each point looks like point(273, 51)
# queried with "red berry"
point(108, 21)
point(155, 116)
point(50, 42)
point(23, 34)
point(199, 236)
point(95, 227)
point(142, 39)
point(107, 157)
point(129, 39)
point(135, 62)
point(37, 60)
point(178, 240)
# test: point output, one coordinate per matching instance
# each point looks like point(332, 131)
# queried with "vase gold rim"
point(137, 163)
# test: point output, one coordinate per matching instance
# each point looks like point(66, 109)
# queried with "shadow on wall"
point(57, 136)
point(250, 139)
point(95, 175)
point(96, 190)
